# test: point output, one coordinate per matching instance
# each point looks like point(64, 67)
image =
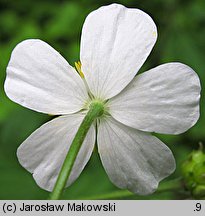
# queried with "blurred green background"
point(181, 28)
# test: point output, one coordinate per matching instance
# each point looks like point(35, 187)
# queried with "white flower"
point(115, 43)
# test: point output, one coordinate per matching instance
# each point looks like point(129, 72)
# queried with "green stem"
point(96, 109)
point(172, 185)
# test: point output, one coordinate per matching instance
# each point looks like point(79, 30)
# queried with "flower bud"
point(193, 171)
point(199, 173)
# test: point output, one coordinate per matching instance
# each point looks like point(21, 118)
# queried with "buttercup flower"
point(115, 42)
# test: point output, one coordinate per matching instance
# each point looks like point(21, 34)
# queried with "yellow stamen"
point(78, 68)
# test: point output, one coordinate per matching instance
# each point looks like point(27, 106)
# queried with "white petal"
point(39, 78)
point(164, 99)
point(133, 159)
point(115, 43)
point(44, 151)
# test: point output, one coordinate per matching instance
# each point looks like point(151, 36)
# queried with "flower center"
point(98, 106)
point(92, 102)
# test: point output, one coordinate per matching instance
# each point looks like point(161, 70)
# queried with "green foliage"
point(181, 38)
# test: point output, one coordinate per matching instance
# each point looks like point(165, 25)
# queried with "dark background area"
point(181, 29)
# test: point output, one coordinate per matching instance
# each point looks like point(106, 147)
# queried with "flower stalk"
point(96, 109)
